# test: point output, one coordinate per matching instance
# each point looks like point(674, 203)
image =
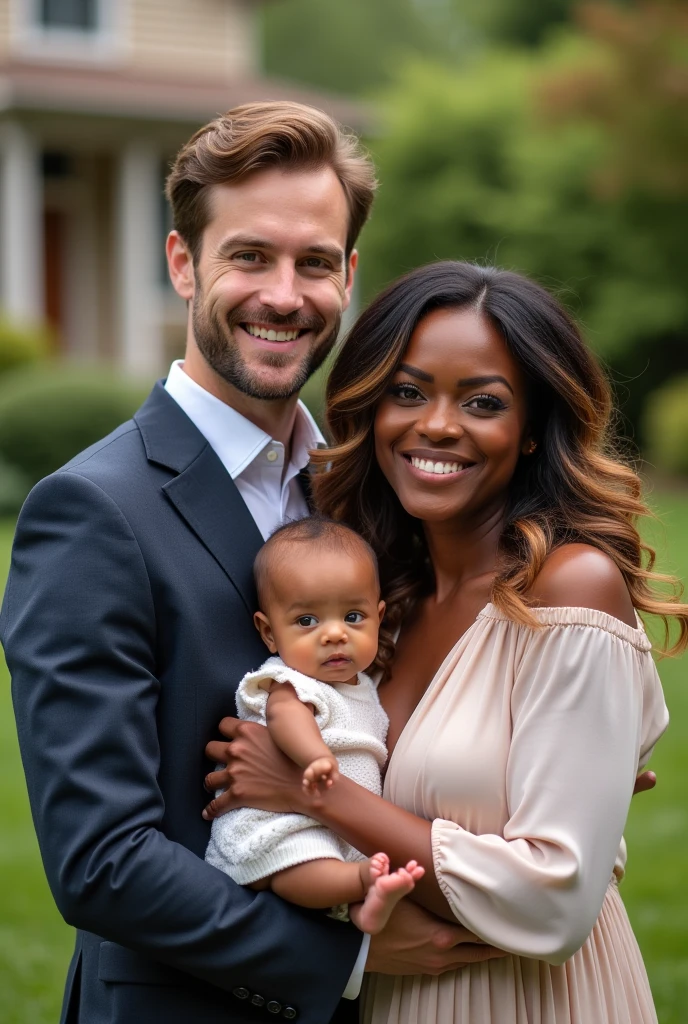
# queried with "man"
point(127, 620)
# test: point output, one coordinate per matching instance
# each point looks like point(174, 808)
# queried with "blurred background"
point(547, 136)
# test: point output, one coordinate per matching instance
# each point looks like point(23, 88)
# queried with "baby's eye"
point(307, 620)
point(353, 617)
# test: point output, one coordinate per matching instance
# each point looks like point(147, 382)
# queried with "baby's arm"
point(293, 728)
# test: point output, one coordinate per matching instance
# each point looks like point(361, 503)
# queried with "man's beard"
point(223, 356)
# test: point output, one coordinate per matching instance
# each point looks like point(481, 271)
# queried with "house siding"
point(206, 38)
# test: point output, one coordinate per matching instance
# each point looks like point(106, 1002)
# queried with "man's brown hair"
point(257, 136)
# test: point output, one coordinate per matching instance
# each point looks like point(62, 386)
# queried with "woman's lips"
point(436, 470)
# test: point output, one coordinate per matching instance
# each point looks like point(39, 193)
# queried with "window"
point(74, 15)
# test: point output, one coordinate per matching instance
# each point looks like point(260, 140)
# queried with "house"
point(96, 96)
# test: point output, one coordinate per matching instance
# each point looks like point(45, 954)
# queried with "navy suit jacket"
point(127, 625)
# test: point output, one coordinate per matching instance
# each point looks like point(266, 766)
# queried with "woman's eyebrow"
point(479, 382)
point(415, 372)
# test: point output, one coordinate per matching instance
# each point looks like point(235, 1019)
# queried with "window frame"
point(55, 42)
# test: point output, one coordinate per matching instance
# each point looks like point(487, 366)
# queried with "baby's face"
point(323, 613)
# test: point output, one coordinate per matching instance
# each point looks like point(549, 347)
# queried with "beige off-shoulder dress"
point(523, 752)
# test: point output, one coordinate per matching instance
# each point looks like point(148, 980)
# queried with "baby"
point(320, 610)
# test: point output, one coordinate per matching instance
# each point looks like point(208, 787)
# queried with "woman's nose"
point(438, 422)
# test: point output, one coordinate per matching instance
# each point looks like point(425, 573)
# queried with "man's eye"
point(315, 263)
point(409, 392)
point(307, 620)
point(353, 617)
point(248, 257)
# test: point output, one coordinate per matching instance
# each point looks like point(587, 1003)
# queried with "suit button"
point(273, 1006)
point(258, 1000)
point(241, 993)
point(289, 1012)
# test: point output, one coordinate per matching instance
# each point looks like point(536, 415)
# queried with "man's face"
point(272, 280)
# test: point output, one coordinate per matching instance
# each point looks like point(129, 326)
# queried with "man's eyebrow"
point(415, 372)
point(243, 242)
point(479, 382)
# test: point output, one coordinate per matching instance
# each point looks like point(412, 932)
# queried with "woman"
point(470, 427)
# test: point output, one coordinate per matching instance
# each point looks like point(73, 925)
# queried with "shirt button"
point(273, 1006)
point(241, 993)
point(272, 455)
point(289, 1012)
point(258, 1000)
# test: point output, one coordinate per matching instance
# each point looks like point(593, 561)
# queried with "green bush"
point(665, 426)
point(49, 414)
point(21, 344)
point(14, 486)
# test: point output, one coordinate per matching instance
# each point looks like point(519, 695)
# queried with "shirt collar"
point(235, 439)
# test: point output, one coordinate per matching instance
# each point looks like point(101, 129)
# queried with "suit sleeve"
point(79, 631)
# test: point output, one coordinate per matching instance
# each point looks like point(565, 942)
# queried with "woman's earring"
point(531, 447)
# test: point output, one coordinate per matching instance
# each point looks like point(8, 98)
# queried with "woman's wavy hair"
point(575, 487)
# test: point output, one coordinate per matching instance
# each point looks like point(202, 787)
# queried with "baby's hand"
point(322, 771)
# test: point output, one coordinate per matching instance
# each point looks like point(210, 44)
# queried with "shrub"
point(14, 486)
point(21, 344)
point(48, 415)
point(665, 426)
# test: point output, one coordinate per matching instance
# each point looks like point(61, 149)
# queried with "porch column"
point(21, 224)
point(139, 232)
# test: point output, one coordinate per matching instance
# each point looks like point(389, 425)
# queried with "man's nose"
point(281, 289)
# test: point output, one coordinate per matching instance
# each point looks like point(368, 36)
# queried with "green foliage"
point(21, 344)
point(49, 415)
point(14, 487)
point(347, 47)
point(665, 426)
point(473, 167)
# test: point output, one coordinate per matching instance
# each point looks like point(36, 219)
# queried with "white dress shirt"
point(271, 490)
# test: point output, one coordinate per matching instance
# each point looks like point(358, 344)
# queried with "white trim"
point(107, 42)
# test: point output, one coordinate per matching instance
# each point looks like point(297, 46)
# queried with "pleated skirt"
point(605, 982)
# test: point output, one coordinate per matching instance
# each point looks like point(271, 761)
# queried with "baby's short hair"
point(316, 531)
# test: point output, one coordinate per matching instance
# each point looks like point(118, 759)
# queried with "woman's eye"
point(486, 403)
point(307, 620)
point(353, 617)
point(407, 392)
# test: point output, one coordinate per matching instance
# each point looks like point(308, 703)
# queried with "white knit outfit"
point(249, 844)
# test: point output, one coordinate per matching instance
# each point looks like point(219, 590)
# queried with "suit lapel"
point(202, 490)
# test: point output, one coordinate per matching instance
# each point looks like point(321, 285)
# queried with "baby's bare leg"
point(321, 883)
point(367, 885)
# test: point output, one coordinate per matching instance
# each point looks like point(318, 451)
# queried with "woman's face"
point(450, 429)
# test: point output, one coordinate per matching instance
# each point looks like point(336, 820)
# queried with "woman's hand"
point(257, 773)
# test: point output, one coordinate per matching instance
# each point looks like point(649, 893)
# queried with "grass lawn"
point(35, 945)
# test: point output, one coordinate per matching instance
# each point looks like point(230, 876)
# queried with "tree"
point(351, 47)
point(473, 165)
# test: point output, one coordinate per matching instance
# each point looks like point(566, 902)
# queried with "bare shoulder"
point(582, 576)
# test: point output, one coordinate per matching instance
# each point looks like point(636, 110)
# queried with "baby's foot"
point(384, 893)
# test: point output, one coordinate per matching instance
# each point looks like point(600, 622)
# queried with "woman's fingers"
point(219, 805)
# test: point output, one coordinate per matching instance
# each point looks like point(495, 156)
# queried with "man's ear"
point(180, 266)
point(350, 275)
point(381, 610)
point(263, 626)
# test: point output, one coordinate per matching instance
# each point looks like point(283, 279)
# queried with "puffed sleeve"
point(586, 709)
